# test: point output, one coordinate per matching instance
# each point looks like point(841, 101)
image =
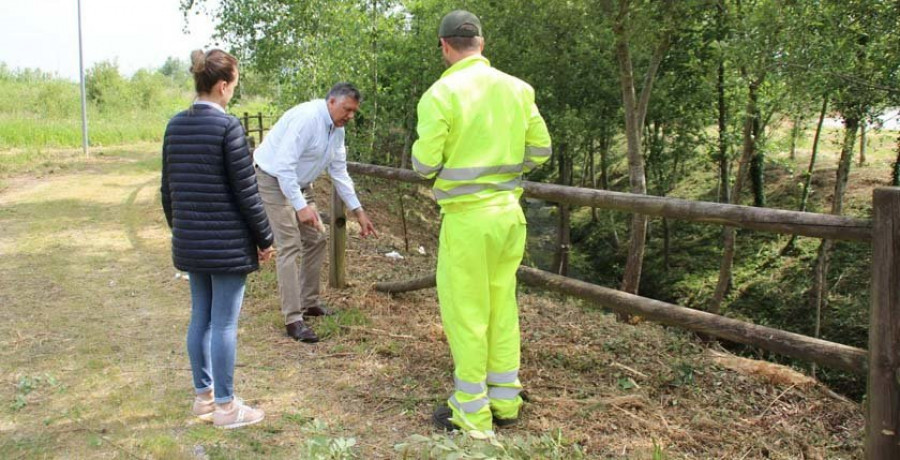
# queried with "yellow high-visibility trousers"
point(480, 251)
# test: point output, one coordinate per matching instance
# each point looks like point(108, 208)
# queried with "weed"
point(27, 385)
point(325, 448)
point(502, 448)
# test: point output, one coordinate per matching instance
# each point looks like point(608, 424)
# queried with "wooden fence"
point(260, 128)
point(881, 363)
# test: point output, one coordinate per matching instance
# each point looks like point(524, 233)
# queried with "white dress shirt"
point(303, 143)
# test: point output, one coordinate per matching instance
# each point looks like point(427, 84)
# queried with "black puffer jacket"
point(209, 194)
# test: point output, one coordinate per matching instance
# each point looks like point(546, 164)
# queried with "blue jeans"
point(212, 335)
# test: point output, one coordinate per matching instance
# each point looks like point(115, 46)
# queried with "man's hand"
point(265, 254)
point(365, 225)
point(309, 216)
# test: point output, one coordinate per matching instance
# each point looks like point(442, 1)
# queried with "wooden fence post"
point(261, 129)
point(337, 243)
point(883, 392)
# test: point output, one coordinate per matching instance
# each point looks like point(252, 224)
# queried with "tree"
point(621, 14)
point(105, 86)
point(753, 47)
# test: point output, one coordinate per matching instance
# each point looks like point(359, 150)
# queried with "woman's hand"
point(265, 254)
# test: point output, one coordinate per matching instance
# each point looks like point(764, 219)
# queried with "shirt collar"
point(210, 104)
point(323, 113)
point(465, 63)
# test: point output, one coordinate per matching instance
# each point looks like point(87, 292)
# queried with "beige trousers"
point(298, 280)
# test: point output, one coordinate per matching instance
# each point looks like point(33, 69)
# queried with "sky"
point(136, 33)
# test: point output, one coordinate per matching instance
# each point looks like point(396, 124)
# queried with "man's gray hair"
point(344, 89)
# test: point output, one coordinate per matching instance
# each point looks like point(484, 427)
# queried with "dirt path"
point(93, 363)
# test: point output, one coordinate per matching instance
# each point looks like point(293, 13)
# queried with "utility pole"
point(84, 130)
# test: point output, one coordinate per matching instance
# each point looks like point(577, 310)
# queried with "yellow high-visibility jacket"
point(479, 130)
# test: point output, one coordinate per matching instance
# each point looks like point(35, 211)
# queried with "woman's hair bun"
point(198, 61)
point(211, 67)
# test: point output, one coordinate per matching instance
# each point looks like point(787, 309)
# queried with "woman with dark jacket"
point(219, 231)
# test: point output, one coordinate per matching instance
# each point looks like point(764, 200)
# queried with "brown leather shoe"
point(298, 330)
point(318, 310)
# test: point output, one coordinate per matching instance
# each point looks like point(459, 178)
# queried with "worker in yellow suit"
point(479, 130)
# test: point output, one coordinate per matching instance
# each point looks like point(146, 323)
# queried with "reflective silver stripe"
point(468, 407)
point(475, 172)
point(423, 169)
point(532, 151)
point(503, 393)
point(529, 165)
point(496, 378)
point(475, 188)
point(473, 388)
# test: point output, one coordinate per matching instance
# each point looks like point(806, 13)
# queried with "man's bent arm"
point(537, 140)
point(433, 128)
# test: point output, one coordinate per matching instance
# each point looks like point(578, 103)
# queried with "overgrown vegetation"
point(43, 112)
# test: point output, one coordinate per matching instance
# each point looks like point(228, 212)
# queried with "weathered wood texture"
point(337, 242)
point(883, 395)
point(822, 352)
point(772, 220)
point(415, 284)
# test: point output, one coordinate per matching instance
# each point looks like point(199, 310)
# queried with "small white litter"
point(422, 250)
point(394, 255)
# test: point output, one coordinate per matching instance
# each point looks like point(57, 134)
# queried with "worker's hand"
point(309, 216)
point(366, 227)
point(265, 254)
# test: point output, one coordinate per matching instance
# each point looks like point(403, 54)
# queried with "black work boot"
point(441, 419)
point(508, 422)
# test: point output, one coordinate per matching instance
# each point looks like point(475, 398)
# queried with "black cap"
point(460, 23)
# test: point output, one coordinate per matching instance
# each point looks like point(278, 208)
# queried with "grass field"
point(93, 363)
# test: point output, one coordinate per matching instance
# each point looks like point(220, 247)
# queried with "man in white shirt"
point(307, 140)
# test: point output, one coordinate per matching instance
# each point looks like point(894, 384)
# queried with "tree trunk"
point(796, 129)
point(895, 177)
point(758, 162)
point(593, 175)
point(667, 238)
point(635, 113)
point(862, 142)
point(563, 228)
point(374, 95)
point(605, 145)
point(408, 140)
point(724, 161)
point(728, 233)
point(807, 185)
point(819, 294)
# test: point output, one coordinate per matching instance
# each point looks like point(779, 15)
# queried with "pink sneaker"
point(239, 415)
point(204, 408)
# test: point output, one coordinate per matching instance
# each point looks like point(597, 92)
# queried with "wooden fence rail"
point(881, 362)
point(772, 220)
point(799, 346)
